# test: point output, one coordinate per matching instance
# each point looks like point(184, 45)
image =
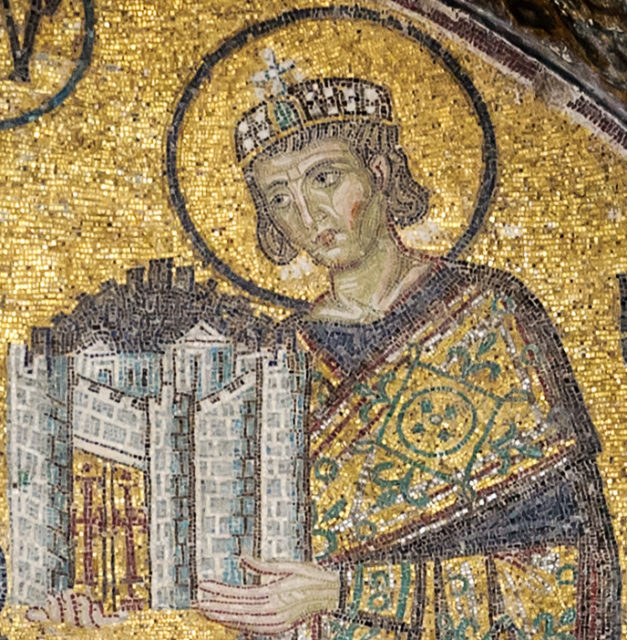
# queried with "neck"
point(366, 290)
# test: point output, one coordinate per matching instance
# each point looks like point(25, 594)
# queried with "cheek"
point(296, 234)
point(348, 201)
point(287, 220)
point(286, 227)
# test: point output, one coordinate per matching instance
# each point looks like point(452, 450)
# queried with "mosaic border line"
point(511, 51)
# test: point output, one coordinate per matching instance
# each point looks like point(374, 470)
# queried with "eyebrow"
point(327, 162)
point(276, 183)
point(334, 157)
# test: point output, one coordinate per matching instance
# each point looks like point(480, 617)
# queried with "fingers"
point(247, 594)
point(53, 611)
point(294, 592)
point(261, 620)
point(101, 619)
point(283, 568)
point(74, 608)
point(260, 566)
point(77, 609)
point(58, 608)
point(280, 612)
point(286, 608)
point(37, 614)
point(273, 568)
point(240, 611)
point(55, 607)
point(223, 590)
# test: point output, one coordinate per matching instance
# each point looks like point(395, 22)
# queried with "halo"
point(222, 227)
point(58, 95)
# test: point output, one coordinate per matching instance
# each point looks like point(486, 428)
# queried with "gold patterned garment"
point(452, 476)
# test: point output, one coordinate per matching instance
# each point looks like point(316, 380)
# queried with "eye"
point(326, 177)
point(280, 201)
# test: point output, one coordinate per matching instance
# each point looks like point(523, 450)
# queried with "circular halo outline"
point(82, 64)
point(339, 12)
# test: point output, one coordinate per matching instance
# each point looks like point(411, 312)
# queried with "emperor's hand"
point(73, 608)
point(290, 592)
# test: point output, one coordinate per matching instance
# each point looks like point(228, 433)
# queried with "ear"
point(380, 167)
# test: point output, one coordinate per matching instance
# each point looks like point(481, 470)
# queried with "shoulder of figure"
point(500, 282)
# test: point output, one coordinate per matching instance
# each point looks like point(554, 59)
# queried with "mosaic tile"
point(315, 327)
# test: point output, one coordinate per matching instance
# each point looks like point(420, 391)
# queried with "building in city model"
point(142, 463)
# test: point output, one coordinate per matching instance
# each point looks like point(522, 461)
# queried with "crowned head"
point(300, 122)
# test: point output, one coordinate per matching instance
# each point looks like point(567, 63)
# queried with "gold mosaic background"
point(84, 196)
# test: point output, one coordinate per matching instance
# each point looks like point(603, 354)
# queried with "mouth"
point(326, 238)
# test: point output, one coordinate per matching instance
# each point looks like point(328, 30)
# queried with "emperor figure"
point(453, 486)
point(453, 490)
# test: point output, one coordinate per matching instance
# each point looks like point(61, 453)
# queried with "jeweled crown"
point(287, 107)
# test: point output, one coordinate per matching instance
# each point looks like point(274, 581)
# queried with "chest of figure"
point(436, 427)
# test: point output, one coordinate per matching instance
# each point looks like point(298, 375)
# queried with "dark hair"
point(407, 200)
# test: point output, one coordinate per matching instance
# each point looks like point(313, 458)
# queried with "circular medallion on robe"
point(45, 49)
point(442, 129)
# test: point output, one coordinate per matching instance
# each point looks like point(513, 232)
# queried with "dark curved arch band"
point(339, 12)
point(4, 584)
point(82, 64)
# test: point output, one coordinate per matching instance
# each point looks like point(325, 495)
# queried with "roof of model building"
point(144, 314)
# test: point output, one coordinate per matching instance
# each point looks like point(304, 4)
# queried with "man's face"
point(324, 200)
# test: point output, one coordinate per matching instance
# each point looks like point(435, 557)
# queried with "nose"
point(304, 206)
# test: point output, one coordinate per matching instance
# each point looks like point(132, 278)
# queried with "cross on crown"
point(270, 83)
point(287, 106)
